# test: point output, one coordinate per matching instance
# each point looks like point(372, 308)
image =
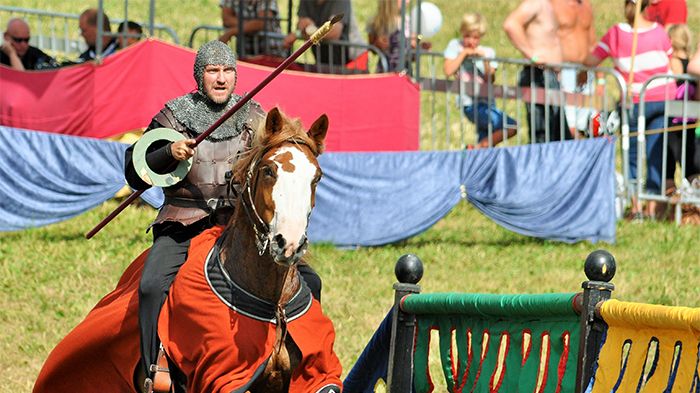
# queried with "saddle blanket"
point(219, 336)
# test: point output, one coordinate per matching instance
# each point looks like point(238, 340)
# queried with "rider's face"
point(219, 81)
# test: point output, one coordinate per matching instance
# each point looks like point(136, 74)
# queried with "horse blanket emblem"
point(100, 354)
point(235, 332)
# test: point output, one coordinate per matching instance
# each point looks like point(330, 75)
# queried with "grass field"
point(51, 277)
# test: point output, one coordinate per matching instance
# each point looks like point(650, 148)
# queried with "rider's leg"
point(312, 279)
point(167, 255)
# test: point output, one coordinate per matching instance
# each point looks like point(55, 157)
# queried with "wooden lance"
point(313, 40)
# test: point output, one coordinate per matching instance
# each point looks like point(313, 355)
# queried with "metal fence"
point(351, 59)
point(570, 110)
point(668, 157)
point(59, 32)
point(522, 104)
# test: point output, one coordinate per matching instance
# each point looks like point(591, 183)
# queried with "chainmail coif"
point(197, 111)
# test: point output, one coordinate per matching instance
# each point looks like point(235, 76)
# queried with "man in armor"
point(200, 200)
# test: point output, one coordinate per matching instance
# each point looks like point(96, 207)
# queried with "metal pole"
point(100, 31)
point(419, 37)
point(408, 270)
point(125, 29)
point(600, 268)
point(151, 17)
point(239, 37)
point(402, 40)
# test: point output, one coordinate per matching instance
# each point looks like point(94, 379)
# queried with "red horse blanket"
point(219, 340)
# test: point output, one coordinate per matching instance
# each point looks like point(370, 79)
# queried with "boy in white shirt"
point(458, 56)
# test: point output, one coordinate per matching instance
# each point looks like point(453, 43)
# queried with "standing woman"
point(652, 57)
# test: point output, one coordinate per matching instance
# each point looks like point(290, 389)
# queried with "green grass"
point(51, 277)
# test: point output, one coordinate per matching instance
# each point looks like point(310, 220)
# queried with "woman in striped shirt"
point(650, 58)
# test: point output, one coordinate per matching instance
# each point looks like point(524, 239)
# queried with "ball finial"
point(409, 269)
point(600, 266)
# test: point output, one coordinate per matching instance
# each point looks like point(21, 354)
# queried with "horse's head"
point(279, 179)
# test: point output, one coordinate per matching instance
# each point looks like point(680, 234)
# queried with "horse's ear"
point(274, 121)
point(318, 130)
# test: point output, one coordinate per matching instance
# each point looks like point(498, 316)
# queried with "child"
point(458, 56)
point(680, 43)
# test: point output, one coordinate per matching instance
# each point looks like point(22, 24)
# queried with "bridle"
point(260, 227)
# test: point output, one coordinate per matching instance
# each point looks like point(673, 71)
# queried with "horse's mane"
point(263, 140)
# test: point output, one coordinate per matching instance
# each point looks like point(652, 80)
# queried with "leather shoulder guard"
point(166, 118)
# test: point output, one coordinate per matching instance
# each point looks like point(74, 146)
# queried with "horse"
point(238, 317)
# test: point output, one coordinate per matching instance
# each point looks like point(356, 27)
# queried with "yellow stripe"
point(651, 316)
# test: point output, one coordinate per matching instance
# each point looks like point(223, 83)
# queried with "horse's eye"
point(268, 172)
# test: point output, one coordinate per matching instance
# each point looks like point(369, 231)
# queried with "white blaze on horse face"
point(292, 197)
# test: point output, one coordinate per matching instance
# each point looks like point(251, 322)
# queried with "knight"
point(200, 198)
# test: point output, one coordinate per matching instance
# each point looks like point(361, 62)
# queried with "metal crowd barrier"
point(511, 92)
point(58, 32)
point(681, 112)
point(593, 108)
point(349, 52)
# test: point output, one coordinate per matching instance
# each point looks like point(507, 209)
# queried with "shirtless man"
point(576, 30)
point(532, 28)
point(577, 35)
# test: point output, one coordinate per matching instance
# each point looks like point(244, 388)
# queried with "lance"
point(313, 40)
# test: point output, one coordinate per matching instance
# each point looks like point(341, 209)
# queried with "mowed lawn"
point(51, 277)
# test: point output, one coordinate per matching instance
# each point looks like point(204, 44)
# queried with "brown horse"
point(238, 317)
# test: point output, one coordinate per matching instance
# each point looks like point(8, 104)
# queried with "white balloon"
point(430, 19)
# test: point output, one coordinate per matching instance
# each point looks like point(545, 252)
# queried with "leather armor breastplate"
point(204, 189)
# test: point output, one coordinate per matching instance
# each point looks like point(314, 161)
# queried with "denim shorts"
point(486, 115)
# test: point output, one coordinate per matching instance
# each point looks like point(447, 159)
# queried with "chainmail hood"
point(197, 111)
point(212, 53)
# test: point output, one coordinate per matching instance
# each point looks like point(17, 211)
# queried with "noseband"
point(260, 227)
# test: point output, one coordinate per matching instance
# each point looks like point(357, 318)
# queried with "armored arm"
point(161, 159)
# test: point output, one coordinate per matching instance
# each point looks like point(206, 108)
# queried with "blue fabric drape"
point(373, 363)
point(561, 191)
point(47, 178)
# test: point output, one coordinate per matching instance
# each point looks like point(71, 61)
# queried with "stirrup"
point(160, 381)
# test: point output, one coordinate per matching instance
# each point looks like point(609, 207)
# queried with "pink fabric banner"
point(367, 113)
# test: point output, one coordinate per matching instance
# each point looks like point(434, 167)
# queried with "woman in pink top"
point(651, 58)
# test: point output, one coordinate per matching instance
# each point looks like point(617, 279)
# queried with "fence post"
point(600, 268)
point(408, 270)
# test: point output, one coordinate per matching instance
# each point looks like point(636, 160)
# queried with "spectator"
point(651, 58)
point(680, 42)
point(667, 12)
point(459, 56)
point(258, 16)
point(694, 63)
point(88, 29)
point(532, 28)
point(16, 51)
point(314, 13)
point(694, 69)
point(384, 33)
point(576, 30)
point(130, 33)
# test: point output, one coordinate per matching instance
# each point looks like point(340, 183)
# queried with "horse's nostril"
point(279, 239)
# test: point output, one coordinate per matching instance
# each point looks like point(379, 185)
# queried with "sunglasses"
point(20, 40)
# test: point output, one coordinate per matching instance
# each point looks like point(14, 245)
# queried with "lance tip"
point(336, 18)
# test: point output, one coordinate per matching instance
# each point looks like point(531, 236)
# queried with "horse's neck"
point(257, 274)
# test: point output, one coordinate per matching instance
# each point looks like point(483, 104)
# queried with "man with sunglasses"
point(16, 52)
